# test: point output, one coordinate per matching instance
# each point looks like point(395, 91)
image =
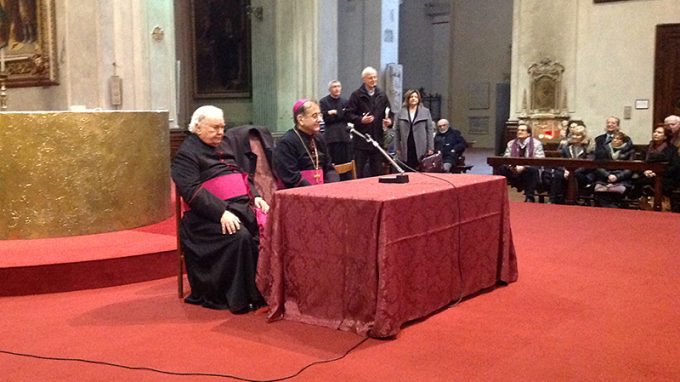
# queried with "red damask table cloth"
point(368, 256)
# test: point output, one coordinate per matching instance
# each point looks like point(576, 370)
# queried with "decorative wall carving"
point(546, 111)
point(546, 86)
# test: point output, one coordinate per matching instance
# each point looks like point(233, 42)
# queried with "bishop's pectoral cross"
point(317, 176)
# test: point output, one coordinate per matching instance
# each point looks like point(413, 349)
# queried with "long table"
point(572, 164)
point(367, 256)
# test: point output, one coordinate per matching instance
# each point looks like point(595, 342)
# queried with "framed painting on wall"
point(28, 41)
point(221, 49)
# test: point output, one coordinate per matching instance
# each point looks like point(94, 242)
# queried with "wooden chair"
point(179, 211)
point(460, 167)
point(343, 168)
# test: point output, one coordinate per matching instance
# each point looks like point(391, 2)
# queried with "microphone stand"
point(402, 177)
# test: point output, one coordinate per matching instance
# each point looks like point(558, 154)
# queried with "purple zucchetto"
point(298, 104)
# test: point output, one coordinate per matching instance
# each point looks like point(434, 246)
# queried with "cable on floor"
point(177, 373)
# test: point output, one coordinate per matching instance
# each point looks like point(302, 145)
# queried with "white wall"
point(91, 36)
point(607, 50)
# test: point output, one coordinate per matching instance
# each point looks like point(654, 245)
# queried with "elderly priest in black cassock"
point(301, 156)
point(219, 230)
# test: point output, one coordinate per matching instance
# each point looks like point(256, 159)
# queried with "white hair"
point(367, 70)
point(207, 111)
point(333, 82)
point(671, 119)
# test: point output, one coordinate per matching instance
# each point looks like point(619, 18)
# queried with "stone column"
point(294, 56)
point(300, 45)
point(369, 36)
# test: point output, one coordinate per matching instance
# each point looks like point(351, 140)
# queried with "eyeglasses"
point(443, 125)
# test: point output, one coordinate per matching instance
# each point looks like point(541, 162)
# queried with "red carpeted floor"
point(596, 300)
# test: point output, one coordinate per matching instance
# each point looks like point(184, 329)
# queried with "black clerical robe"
point(295, 153)
point(221, 268)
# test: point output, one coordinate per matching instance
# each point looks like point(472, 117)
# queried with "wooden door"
point(666, 72)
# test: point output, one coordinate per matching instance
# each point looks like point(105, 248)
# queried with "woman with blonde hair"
point(577, 145)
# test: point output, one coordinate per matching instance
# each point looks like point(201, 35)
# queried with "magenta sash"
point(225, 186)
point(229, 186)
point(307, 175)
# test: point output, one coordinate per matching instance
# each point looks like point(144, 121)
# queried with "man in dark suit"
point(369, 111)
point(613, 125)
point(334, 109)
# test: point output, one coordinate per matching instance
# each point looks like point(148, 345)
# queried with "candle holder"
point(3, 90)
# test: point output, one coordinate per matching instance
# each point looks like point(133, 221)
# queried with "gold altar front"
point(76, 173)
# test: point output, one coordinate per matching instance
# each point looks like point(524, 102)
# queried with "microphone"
point(352, 130)
point(402, 177)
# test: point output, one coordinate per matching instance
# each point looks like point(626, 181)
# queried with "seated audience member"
point(672, 178)
point(565, 132)
point(660, 149)
point(612, 126)
point(523, 177)
point(450, 143)
point(219, 232)
point(301, 156)
point(610, 182)
point(671, 181)
point(578, 146)
point(672, 122)
point(566, 136)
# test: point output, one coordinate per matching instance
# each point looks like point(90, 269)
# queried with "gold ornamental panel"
point(77, 173)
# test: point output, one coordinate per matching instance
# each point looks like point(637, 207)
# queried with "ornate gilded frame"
point(221, 51)
point(33, 61)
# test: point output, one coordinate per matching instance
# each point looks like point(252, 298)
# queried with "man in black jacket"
point(369, 111)
point(613, 125)
point(450, 143)
point(333, 109)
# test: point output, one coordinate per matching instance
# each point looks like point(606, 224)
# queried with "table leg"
point(658, 193)
point(572, 187)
